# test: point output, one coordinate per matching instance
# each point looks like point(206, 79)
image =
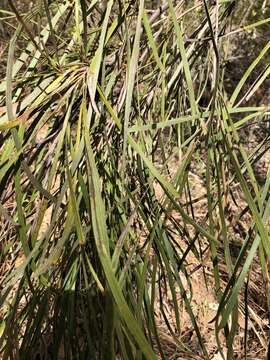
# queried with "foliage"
point(101, 100)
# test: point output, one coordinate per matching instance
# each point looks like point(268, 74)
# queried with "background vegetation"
point(134, 179)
